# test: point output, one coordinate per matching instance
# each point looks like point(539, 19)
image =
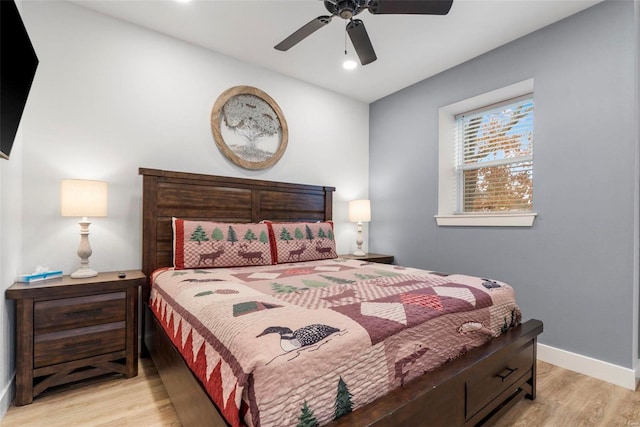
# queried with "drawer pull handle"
point(505, 373)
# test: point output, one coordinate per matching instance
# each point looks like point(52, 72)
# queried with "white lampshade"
point(360, 211)
point(84, 198)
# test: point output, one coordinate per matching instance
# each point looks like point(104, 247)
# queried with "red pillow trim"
point(272, 243)
point(178, 250)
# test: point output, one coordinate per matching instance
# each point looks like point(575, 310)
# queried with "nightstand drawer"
point(497, 377)
point(72, 313)
point(73, 344)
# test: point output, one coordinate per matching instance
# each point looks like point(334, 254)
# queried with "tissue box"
point(37, 277)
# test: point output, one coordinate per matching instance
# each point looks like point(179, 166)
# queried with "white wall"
point(10, 255)
point(110, 97)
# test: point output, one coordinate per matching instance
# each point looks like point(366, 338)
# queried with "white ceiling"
point(410, 48)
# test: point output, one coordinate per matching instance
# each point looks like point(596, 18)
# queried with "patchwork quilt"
point(308, 342)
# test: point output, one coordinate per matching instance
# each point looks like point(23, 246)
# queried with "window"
point(494, 158)
point(485, 159)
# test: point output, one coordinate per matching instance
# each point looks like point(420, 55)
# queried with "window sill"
point(493, 220)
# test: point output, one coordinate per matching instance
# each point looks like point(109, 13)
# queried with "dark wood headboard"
point(167, 194)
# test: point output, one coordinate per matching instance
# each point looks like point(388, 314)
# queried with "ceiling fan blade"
point(415, 7)
point(361, 42)
point(303, 32)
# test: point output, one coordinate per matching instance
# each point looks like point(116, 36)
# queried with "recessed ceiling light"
point(183, 1)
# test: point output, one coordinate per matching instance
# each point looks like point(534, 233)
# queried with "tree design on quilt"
point(338, 280)
point(512, 324)
point(343, 404)
point(306, 418)
point(283, 289)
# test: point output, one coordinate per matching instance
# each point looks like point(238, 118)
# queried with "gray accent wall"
point(574, 269)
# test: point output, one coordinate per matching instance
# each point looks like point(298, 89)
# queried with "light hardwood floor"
point(108, 401)
point(565, 399)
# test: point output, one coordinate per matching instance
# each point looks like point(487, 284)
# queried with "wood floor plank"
point(564, 398)
point(107, 402)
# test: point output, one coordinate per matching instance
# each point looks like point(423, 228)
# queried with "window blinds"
point(494, 158)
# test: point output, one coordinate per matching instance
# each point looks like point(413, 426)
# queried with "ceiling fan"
point(347, 9)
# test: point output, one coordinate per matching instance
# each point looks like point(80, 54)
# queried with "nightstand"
point(383, 259)
point(71, 329)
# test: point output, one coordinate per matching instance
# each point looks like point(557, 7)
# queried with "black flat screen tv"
point(18, 63)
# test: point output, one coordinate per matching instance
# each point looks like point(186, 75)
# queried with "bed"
point(470, 389)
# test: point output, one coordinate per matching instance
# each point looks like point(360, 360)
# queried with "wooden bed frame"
point(473, 389)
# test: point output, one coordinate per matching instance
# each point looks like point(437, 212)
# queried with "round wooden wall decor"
point(249, 127)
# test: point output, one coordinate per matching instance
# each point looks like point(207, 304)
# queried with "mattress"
point(308, 342)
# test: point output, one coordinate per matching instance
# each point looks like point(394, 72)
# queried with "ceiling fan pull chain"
point(345, 43)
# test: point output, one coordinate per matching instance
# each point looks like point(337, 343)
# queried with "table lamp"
point(83, 198)
point(359, 211)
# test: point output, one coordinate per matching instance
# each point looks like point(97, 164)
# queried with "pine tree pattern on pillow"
point(303, 241)
point(207, 244)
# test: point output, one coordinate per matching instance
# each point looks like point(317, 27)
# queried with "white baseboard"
point(7, 396)
point(614, 374)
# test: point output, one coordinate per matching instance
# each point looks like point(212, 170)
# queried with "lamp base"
point(84, 252)
point(83, 272)
point(359, 242)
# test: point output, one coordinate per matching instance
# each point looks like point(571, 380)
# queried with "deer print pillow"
point(207, 244)
point(303, 241)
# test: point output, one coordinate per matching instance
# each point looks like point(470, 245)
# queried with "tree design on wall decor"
point(249, 128)
point(250, 117)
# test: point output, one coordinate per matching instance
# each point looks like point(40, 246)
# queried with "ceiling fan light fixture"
point(347, 9)
point(349, 64)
